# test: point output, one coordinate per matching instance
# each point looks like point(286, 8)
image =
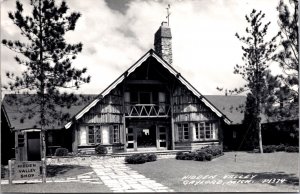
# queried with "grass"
point(61, 171)
point(279, 165)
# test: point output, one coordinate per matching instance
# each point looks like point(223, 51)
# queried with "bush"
point(201, 156)
point(151, 157)
point(292, 149)
point(179, 156)
point(100, 149)
point(190, 156)
point(208, 157)
point(269, 148)
point(185, 156)
point(280, 147)
point(136, 159)
point(61, 152)
point(213, 150)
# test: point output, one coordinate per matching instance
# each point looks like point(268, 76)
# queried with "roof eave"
point(131, 69)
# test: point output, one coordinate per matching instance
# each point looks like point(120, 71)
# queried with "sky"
point(116, 33)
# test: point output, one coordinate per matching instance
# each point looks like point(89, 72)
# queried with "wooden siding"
point(188, 108)
point(108, 110)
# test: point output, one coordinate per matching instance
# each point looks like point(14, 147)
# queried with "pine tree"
point(288, 58)
point(47, 58)
point(257, 53)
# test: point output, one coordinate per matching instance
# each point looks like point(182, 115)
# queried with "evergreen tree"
point(257, 53)
point(47, 58)
point(288, 59)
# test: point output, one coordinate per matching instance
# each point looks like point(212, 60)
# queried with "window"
point(183, 131)
point(94, 134)
point(205, 130)
point(116, 134)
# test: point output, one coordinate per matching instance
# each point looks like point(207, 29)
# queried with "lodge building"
point(150, 107)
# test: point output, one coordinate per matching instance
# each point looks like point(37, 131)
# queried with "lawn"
point(249, 172)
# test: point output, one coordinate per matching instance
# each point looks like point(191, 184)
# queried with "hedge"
point(140, 158)
point(203, 154)
point(100, 149)
point(61, 152)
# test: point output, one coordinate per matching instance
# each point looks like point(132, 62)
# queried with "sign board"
point(27, 169)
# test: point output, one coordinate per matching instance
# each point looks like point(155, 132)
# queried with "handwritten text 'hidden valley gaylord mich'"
point(228, 179)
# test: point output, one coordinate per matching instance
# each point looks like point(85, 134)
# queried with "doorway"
point(146, 137)
point(33, 146)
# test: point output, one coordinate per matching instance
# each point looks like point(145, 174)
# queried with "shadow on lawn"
point(272, 177)
point(57, 170)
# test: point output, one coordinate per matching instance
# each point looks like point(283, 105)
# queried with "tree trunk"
point(42, 95)
point(260, 138)
point(44, 165)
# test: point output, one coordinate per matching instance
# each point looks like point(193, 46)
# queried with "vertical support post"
point(43, 150)
point(123, 116)
point(75, 139)
point(172, 121)
point(17, 151)
point(24, 152)
point(220, 133)
point(10, 171)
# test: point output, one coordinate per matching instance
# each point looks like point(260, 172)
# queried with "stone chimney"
point(163, 42)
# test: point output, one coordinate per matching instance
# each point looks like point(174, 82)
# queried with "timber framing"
point(131, 69)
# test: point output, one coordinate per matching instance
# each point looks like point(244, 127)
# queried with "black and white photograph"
point(149, 96)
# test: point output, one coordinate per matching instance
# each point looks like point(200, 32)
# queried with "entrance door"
point(146, 137)
point(162, 137)
point(33, 146)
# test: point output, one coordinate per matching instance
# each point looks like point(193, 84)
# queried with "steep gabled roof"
point(150, 53)
point(15, 109)
point(231, 106)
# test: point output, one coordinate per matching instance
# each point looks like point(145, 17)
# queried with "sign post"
point(10, 171)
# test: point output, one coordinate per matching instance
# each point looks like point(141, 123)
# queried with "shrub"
point(200, 156)
point(136, 159)
point(269, 148)
point(280, 147)
point(151, 157)
point(179, 156)
point(208, 157)
point(61, 152)
point(292, 149)
point(185, 156)
point(100, 149)
point(189, 156)
point(213, 150)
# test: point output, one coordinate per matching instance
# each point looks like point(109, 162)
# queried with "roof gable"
point(150, 53)
point(14, 108)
